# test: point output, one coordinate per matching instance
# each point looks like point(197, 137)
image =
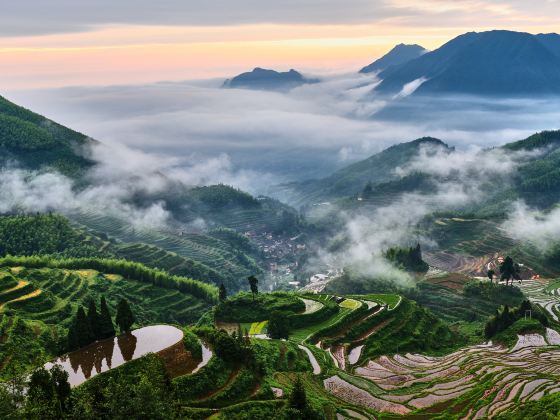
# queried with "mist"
point(274, 137)
point(369, 231)
point(542, 229)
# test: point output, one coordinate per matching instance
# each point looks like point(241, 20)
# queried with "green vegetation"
point(409, 259)
point(546, 408)
point(25, 344)
point(509, 336)
point(413, 328)
point(354, 178)
point(38, 142)
point(95, 326)
point(200, 256)
point(242, 307)
point(125, 318)
point(278, 325)
point(45, 234)
point(127, 269)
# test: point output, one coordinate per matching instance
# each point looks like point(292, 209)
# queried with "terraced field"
point(544, 293)
point(475, 382)
point(211, 252)
point(53, 295)
point(467, 245)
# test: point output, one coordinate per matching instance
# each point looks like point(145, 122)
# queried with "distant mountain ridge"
point(537, 180)
point(493, 62)
point(353, 179)
point(400, 54)
point(265, 79)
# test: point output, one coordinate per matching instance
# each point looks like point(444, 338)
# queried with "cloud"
point(306, 133)
point(531, 225)
point(369, 231)
point(29, 191)
point(31, 17)
point(28, 17)
point(473, 164)
point(409, 88)
point(461, 178)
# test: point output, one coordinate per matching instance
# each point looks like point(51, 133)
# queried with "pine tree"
point(93, 320)
point(239, 334)
point(254, 285)
point(72, 339)
point(125, 317)
point(82, 329)
point(106, 327)
point(223, 293)
point(298, 399)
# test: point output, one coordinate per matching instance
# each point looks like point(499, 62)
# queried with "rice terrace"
point(294, 210)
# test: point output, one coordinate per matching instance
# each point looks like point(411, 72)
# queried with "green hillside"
point(39, 297)
point(35, 141)
point(351, 180)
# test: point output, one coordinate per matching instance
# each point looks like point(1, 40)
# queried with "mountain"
point(264, 79)
point(353, 179)
point(536, 181)
point(487, 63)
point(550, 41)
point(400, 54)
point(204, 235)
point(35, 141)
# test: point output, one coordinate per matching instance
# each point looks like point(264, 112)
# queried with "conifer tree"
point(254, 285)
point(223, 293)
point(82, 328)
point(298, 399)
point(106, 327)
point(93, 320)
point(125, 317)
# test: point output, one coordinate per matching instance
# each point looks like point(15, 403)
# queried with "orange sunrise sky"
point(127, 42)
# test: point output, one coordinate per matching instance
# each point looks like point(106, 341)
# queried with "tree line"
point(128, 269)
point(507, 317)
point(90, 326)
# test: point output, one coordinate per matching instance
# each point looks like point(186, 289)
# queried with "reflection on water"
point(107, 354)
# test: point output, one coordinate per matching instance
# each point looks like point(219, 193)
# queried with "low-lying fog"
point(239, 136)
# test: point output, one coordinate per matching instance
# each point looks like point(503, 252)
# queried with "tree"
point(223, 293)
point(93, 320)
point(62, 390)
point(48, 393)
point(125, 317)
point(278, 325)
point(106, 327)
point(491, 274)
point(509, 270)
point(254, 285)
point(298, 399)
point(80, 334)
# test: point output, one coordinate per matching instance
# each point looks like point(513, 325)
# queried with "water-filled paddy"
point(103, 355)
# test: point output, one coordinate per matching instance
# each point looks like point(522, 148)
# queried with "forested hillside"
point(33, 141)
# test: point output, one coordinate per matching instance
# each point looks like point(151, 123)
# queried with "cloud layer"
point(306, 133)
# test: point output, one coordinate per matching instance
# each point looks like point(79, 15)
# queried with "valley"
point(419, 281)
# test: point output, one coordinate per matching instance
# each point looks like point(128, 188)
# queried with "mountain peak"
point(267, 79)
point(494, 62)
point(399, 54)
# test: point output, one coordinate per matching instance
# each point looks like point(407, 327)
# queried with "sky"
point(55, 43)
